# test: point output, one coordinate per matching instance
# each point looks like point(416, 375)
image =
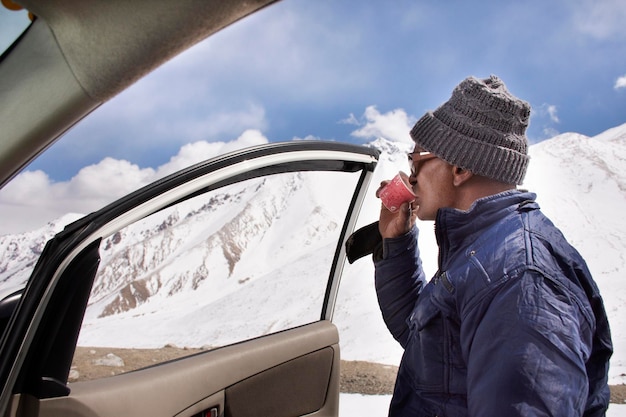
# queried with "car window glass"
point(13, 22)
point(236, 263)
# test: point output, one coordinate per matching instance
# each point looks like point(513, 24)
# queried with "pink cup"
point(396, 192)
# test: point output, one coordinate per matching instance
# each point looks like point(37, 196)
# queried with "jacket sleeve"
point(526, 350)
point(399, 277)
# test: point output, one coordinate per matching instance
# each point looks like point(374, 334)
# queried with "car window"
point(13, 22)
point(239, 262)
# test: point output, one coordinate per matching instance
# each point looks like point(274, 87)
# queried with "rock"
point(74, 375)
point(109, 360)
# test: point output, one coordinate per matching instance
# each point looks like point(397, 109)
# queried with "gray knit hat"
point(481, 128)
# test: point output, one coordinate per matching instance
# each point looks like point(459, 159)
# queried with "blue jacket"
point(512, 324)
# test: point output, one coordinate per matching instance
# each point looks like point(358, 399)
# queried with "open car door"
point(236, 261)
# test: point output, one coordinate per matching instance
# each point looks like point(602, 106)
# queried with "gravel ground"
point(357, 377)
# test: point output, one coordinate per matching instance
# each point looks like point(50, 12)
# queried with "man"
point(512, 323)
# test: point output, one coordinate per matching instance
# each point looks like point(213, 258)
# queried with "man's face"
point(432, 183)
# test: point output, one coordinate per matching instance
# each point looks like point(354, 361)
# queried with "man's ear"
point(460, 175)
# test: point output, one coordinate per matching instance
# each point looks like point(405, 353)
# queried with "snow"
point(356, 405)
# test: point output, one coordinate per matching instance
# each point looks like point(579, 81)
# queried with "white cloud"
point(104, 181)
point(31, 199)
point(220, 123)
point(600, 19)
point(199, 151)
point(281, 47)
point(155, 112)
point(394, 125)
point(307, 137)
point(547, 110)
point(544, 119)
point(552, 112)
point(550, 132)
point(350, 120)
point(620, 82)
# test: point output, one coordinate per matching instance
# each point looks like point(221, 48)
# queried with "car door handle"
point(211, 412)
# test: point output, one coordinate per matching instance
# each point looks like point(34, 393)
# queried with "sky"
point(342, 70)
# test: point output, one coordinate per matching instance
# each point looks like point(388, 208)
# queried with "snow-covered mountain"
point(21, 251)
point(580, 183)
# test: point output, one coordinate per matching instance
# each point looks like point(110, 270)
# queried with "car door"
point(191, 264)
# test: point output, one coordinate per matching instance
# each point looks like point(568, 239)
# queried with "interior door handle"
point(211, 412)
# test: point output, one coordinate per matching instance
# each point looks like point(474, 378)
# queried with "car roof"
point(76, 55)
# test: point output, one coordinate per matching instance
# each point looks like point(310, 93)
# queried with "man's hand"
point(398, 223)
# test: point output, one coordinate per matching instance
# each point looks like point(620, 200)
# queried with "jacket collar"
point(456, 229)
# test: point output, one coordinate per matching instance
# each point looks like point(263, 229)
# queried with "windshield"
point(12, 23)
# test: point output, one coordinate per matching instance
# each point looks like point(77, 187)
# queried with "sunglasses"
point(416, 159)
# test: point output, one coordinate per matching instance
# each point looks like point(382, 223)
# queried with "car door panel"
point(299, 387)
point(295, 372)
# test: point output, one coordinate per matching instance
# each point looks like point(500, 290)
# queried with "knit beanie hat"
point(481, 128)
